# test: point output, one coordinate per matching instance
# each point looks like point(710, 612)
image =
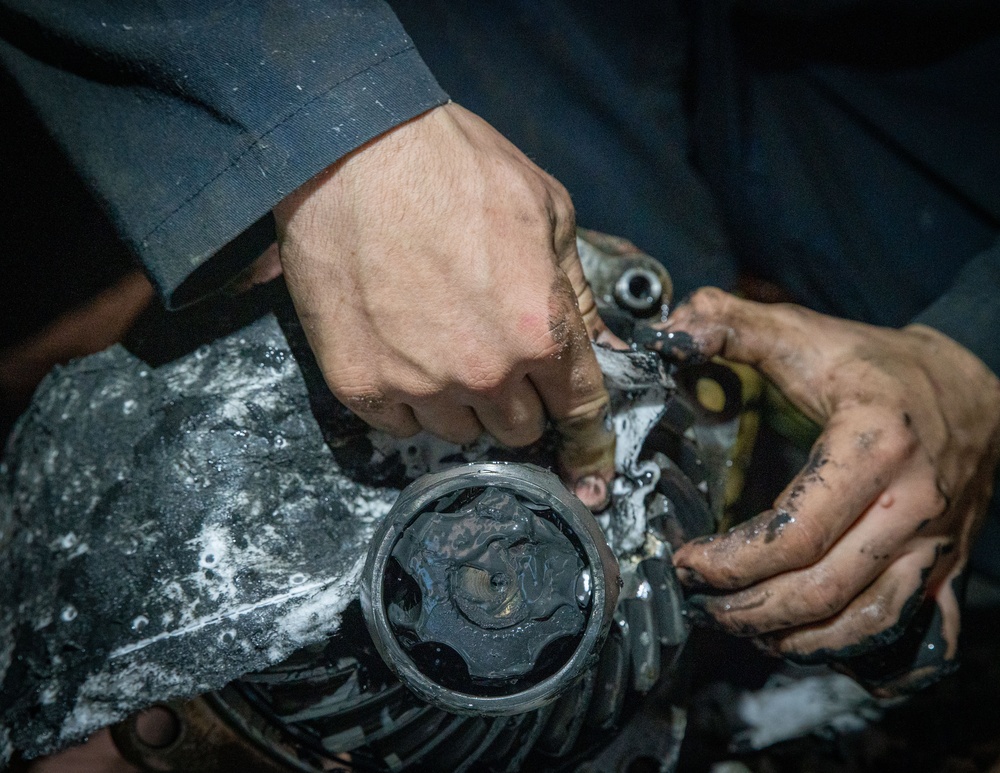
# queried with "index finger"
point(571, 386)
point(850, 466)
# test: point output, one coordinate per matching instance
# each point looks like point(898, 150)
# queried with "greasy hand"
point(881, 520)
point(436, 276)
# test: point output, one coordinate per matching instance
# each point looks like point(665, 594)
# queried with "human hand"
point(882, 518)
point(436, 276)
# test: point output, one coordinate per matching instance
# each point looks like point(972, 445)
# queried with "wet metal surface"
point(167, 530)
point(495, 581)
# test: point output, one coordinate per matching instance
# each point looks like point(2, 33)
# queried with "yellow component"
point(752, 384)
point(710, 394)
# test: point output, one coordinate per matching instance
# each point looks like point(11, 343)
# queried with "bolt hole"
point(157, 727)
point(640, 287)
point(638, 291)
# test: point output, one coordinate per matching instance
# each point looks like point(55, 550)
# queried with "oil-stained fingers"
point(571, 266)
point(515, 417)
point(722, 324)
point(791, 345)
point(878, 616)
point(850, 466)
point(571, 386)
point(821, 590)
point(927, 649)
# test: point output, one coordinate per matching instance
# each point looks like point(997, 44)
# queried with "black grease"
point(681, 348)
point(696, 613)
point(866, 440)
point(907, 419)
point(914, 661)
point(674, 346)
point(818, 459)
point(880, 649)
point(648, 337)
point(499, 628)
point(704, 610)
point(791, 502)
point(775, 526)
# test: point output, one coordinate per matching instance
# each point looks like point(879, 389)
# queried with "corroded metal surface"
point(166, 530)
point(169, 530)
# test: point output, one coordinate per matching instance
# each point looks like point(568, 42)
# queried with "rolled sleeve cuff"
point(182, 252)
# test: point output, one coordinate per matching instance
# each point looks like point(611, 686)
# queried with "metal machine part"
point(474, 660)
point(244, 500)
point(489, 588)
point(365, 704)
point(628, 285)
point(639, 290)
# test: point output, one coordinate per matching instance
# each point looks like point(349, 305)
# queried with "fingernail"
point(592, 490)
point(690, 577)
point(681, 348)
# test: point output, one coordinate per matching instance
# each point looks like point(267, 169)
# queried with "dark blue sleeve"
point(189, 120)
point(969, 312)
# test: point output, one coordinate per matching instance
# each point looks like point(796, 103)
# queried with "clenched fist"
point(436, 276)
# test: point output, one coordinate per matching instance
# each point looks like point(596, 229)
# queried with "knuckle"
point(484, 381)
point(402, 430)
point(564, 215)
point(895, 444)
point(547, 335)
point(824, 595)
point(519, 435)
point(590, 412)
point(458, 435)
point(792, 315)
point(362, 398)
point(876, 615)
point(809, 540)
point(709, 300)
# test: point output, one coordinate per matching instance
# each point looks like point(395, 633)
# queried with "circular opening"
point(157, 727)
point(638, 290)
point(640, 287)
point(414, 628)
point(486, 602)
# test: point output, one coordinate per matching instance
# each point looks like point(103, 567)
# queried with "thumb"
point(571, 265)
point(792, 346)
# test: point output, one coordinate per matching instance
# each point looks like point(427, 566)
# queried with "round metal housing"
point(639, 290)
point(489, 588)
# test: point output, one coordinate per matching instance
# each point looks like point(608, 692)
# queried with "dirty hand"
point(436, 276)
point(870, 539)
